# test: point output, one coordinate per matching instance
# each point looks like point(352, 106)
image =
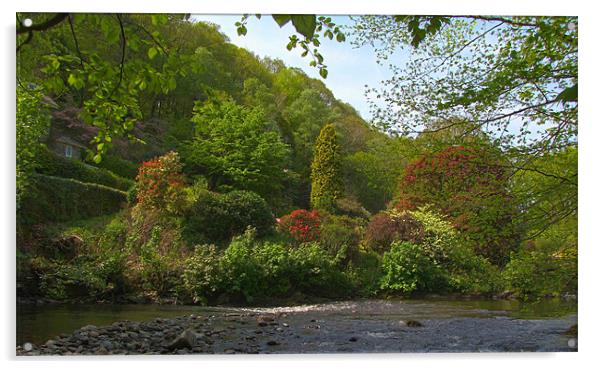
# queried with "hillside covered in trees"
point(157, 161)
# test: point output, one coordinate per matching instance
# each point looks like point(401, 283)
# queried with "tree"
point(512, 79)
point(372, 174)
point(80, 61)
point(509, 76)
point(309, 27)
point(471, 186)
point(326, 174)
point(33, 120)
point(236, 146)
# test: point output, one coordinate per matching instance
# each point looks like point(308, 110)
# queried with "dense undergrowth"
point(197, 246)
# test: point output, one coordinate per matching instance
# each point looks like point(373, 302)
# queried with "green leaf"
point(323, 73)
point(305, 24)
point(340, 37)
point(152, 52)
point(159, 19)
point(568, 94)
point(72, 80)
point(281, 19)
point(97, 158)
point(172, 84)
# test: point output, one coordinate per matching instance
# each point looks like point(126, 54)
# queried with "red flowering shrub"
point(301, 225)
point(470, 185)
point(160, 182)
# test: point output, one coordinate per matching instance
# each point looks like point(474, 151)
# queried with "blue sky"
point(349, 68)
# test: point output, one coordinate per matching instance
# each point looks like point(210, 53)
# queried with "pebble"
point(154, 337)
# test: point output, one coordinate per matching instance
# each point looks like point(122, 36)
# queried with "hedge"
point(55, 199)
point(119, 166)
point(57, 166)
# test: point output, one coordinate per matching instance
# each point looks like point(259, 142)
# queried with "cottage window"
point(68, 151)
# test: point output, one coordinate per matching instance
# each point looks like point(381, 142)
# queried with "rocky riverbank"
point(333, 328)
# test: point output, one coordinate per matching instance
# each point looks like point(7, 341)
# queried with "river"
point(346, 326)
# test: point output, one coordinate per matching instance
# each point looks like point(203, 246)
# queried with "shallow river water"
point(347, 326)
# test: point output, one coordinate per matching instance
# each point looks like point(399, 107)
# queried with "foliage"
point(315, 272)
point(251, 269)
point(159, 183)
point(451, 260)
point(301, 225)
point(490, 71)
point(201, 276)
point(119, 166)
point(84, 277)
point(54, 165)
point(465, 270)
point(384, 228)
point(546, 191)
point(159, 267)
point(326, 183)
point(108, 85)
point(54, 199)
point(372, 173)
point(32, 124)
point(350, 207)
point(309, 26)
point(546, 266)
point(236, 146)
point(215, 217)
point(408, 268)
point(471, 186)
point(242, 274)
point(340, 235)
point(365, 272)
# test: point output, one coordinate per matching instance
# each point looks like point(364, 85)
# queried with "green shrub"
point(160, 266)
point(58, 166)
point(365, 273)
point(543, 269)
point(54, 199)
point(351, 207)
point(119, 166)
point(202, 273)
point(132, 195)
point(93, 277)
point(315, 272)
point(408, 268)
point(250, 269)
point(242, 275)
point(275, 264)
point(465, 270)
point(437, 236)
point(215, 217)
point(341, 235)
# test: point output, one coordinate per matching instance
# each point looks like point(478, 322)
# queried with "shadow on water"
point(37, 324)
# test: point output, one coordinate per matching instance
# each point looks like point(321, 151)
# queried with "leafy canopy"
point(235, 145)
